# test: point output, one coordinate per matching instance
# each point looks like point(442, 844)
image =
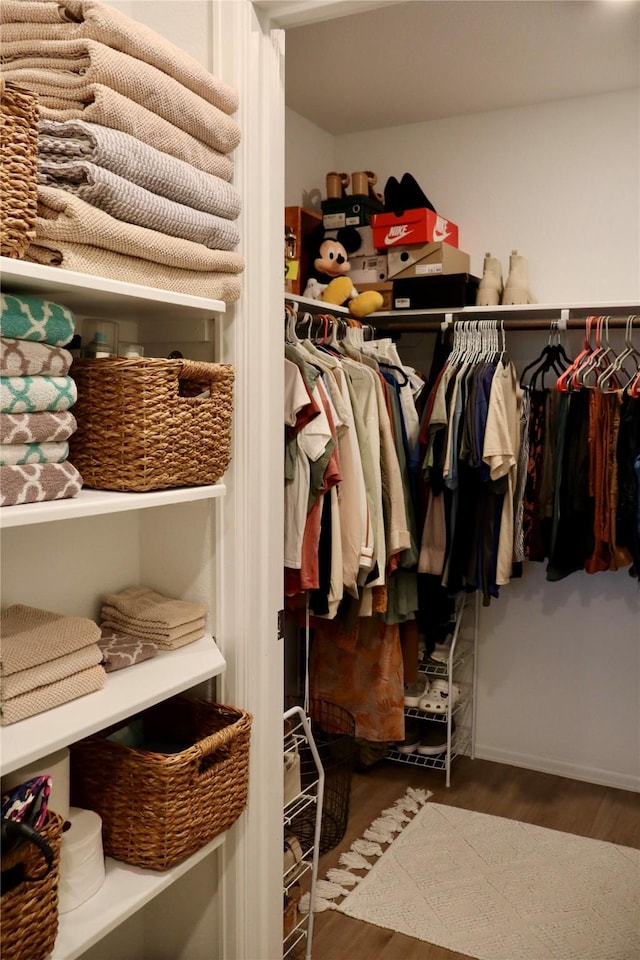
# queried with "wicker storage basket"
point(143, 426)
point(157, 808)
point(18, 168)
point(30, 911)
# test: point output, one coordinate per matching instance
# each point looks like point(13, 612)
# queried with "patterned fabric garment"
point(532, 536)
point(26, 358)
point(35, 394)
point(36, 482)
point(41, 427)
point(30, 318)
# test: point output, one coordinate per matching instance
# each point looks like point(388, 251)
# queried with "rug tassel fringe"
point(320, 904)
point(354, 860)
point(383, 830)
point(343, 877)
point(367, 848)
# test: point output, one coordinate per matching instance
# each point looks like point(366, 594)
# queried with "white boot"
point(490, 288)
point(517, 288)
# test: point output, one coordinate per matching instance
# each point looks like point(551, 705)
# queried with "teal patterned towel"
point(30, 318)
point(12, 454)
point(32, 394)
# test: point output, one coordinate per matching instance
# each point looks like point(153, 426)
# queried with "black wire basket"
point(333, 730)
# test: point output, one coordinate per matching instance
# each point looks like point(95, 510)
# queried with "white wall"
point(559, 663)
point(309, 156)
point(559, 182)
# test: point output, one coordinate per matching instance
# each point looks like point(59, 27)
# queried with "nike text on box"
point(426, 259)
point(412, 226)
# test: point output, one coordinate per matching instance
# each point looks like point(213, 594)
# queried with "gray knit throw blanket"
point(127, 201)
point(65, 142)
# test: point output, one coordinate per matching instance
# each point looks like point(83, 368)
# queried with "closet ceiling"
point(406, 62)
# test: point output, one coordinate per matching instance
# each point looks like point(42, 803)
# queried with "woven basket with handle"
point(151, 424)
point(30, 910)
point(18, 168)
point(159, 807)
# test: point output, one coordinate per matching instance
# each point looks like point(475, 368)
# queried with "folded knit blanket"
point(55, 451)
point(111, 109)
point(30, 318)
point(65, 666)
point(30, 394)
point(172, 643)
point(36, 482)
point(149, 607)
point(63, 72)
point(129, 157)
point(121, 650)
point(74, 19)
point(127, 201)
point(84, 258)
point(30, 636)
point(42, 427)
point(52, 695)
point(27, 358)
point(61, 216)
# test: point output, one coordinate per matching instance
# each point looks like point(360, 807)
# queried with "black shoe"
point(392, 201)
point(411, 196)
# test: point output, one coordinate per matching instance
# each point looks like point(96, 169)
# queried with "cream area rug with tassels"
point(488, 887)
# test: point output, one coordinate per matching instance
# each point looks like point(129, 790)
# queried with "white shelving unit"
point(461, 662)
point(142, 539)
point(298, 734)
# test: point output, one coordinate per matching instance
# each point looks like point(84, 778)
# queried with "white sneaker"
point(413, 692)
point(436, 700)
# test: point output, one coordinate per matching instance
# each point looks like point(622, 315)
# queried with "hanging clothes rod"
point(534, 323)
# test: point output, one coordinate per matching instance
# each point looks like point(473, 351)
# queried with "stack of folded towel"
point(36, 396)
point(134, 159)
point(141, 613)
point(46, 659)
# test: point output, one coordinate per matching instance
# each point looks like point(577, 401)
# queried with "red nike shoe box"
point(412, 226)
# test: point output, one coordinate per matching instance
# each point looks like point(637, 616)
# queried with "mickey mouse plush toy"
point(328, 279)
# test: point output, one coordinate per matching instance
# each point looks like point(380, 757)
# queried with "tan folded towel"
point(30, 636)
point(63, 217)
point(84, 258)
point(155, 634)
point(50, 672)
point(147, 607)
point(52, 695)
point(63, 73)
point(76, 19)
point(172, 643)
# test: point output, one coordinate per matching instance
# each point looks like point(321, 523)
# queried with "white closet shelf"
point(522, 311)
point(315, 306)
point(125, 890)
point(87, 294)
point(125, 692)
point(91, 503)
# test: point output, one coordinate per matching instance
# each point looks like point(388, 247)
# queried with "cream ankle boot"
point(517, 287)
point(490, 288)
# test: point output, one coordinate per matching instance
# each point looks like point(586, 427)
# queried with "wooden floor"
point(601, 813)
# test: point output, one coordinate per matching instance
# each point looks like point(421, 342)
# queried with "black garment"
point(627, 451)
